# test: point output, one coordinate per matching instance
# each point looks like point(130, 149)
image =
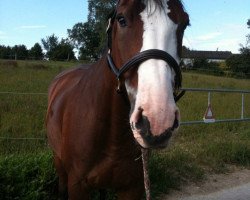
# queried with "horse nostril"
point(138, 118)
point(176, 121)
point(176, 124)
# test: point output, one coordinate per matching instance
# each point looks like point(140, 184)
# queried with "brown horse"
point(93, 131)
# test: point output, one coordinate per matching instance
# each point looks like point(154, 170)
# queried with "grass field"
point(196, 150)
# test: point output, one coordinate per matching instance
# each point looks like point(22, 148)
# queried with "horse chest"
point(115, 172)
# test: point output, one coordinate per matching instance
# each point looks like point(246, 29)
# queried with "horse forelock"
point(160, 3)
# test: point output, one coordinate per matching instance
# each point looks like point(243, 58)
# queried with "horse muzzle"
point(144, 135)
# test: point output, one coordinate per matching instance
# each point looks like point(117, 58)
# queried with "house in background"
point(188, 56)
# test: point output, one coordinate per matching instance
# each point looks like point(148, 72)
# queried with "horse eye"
point(122, 21)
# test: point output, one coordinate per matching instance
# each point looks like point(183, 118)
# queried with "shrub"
point(38, 66)
point(239, 63)
point(29, 176)
point(9, 64)
point(203, 65)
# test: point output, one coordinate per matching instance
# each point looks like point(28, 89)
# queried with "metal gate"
point(212, 120)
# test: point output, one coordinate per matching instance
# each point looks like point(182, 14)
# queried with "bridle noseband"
point(141, 57)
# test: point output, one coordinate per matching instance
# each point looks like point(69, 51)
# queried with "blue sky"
point(215, 24)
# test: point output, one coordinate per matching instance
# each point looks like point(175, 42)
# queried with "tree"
point(64, 51)
point(49, 44)
point(56, 50)
point(240, 64)
point(90, 37)
point(85, 38)
point(6, 52)
point(20, 52)
point(99, 10)
point(246, 49)
point(36, 52)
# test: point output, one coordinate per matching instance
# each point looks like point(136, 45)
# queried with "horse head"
point(146, 42)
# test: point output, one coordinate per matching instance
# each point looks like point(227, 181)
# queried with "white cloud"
point(227, 38)
point(209, 36)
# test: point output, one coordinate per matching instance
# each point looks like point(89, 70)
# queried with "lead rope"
point(145, 159)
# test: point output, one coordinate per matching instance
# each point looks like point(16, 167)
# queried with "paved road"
point(232, 186)
point(237, 193)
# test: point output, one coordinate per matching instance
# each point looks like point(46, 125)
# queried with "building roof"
point(217, 55)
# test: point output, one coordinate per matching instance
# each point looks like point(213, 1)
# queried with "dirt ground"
point(213, 183)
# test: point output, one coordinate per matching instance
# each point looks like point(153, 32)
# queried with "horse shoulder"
point(59, 91)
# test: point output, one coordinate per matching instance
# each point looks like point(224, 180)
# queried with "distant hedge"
point(239, 63)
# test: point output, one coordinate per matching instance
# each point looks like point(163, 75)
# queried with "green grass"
point(23, 116)
point(29, 176)
point(196, 150)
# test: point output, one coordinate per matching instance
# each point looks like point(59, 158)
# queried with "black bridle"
point(141, 57)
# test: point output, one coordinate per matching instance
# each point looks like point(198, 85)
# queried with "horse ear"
point(111, 20)
point(109, 25)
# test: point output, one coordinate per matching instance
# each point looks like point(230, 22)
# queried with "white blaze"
point(155, 78)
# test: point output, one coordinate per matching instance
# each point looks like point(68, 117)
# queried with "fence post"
point(209, 98)
point(242, 106)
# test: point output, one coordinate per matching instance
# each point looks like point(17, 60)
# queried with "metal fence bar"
point(216, 121)
point(10, 138)
point(242, 92)
point(242, 106)
point(24, 93)
point(215, 90)
point(182, 89)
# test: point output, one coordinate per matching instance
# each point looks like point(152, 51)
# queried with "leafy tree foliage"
point(36, 52)
point(246, 49)
point(85, 37)
point(241, 63)
point(56, 50)
point(49, 44)
point(20, 51)
point(90, 37)
point(206, 66)
point(63, 51)
point(99, 11)
point(6, 52)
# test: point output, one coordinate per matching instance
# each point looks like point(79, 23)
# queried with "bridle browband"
point(140, 58)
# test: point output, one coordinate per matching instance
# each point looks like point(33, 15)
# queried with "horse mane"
point(160, 3)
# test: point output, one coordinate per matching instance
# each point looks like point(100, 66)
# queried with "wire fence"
point(24, 93)
point(22, 139)
point(193, 90)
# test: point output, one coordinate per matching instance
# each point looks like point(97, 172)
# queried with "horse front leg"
point(63, 179)
point(77, 189)
point(103, 194)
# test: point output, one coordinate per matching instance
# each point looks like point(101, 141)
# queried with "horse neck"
point(112, 110)
point(118, 103)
